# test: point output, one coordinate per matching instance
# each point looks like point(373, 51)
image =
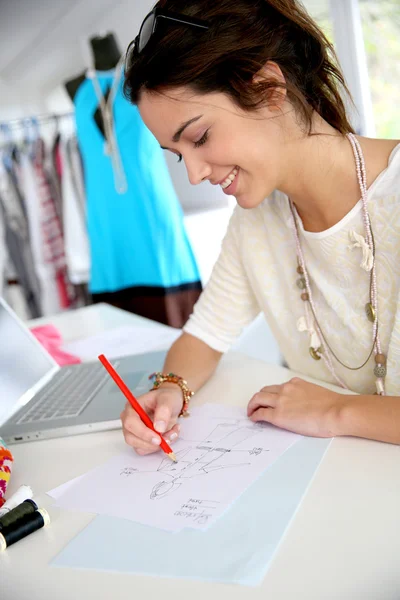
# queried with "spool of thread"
point(19, 512)
point(23, 493)
point(24, 527)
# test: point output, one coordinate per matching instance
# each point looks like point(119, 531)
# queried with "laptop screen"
point(22, 361)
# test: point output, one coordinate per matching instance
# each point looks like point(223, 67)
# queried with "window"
point(319, 10)
point(381, 29)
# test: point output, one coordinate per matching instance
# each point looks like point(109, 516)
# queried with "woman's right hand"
point(163, 407)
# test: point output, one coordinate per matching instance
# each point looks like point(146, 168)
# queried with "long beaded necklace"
point(106, 108)
point(322, 349)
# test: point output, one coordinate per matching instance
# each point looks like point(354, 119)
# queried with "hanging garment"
point(141, 258)
point(52, 236)
point(17, 239)
point(74, 214)
point(49, 297)
point(74, 158)
point(52, 179)
point(56, 158)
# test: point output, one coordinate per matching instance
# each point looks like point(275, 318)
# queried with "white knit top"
point(256, 271)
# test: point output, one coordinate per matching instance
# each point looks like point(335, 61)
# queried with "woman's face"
point(238, 150)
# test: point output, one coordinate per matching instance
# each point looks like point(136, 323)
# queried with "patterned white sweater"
point(256, 271)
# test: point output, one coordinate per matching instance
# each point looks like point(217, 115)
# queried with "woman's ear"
point(271, 72)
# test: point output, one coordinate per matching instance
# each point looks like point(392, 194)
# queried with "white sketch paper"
point(218, 458)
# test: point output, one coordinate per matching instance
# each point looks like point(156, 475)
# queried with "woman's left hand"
point(300, 407)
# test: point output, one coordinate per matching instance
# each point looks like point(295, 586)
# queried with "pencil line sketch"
point(205, 457)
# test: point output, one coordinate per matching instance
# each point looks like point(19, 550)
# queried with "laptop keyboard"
point(67, 394)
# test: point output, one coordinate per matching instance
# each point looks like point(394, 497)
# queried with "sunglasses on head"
point(149, 26)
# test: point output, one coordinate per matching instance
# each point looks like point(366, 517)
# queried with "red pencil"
point(135, 404)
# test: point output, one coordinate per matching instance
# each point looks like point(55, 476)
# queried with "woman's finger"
point(138, 443)
point(262, 400)
point(173, 434)
point(149, 401)
point(272, 389)
point(133, 424)
point(263, 414)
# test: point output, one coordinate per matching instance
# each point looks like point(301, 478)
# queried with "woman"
point(249, 98)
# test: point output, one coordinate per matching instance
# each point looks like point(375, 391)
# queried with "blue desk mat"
point(238, 548)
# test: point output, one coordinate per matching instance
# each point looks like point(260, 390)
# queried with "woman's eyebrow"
point(177, 136)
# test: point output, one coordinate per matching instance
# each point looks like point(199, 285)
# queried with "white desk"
point(343, 544)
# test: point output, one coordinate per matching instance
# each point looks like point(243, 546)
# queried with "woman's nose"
point(197, 172)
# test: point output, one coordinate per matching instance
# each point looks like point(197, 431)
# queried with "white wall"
point(14, 104)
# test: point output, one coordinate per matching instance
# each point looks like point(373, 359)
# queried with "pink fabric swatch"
point(51, 339)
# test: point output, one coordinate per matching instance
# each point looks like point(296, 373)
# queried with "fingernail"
point(173, 436)
point(156, 441)
point(160, 426)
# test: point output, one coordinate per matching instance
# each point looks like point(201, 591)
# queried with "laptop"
point(40, 400)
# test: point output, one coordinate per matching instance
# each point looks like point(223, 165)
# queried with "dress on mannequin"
point(141, 258)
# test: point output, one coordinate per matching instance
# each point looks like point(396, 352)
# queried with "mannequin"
point(106, 54)
point(141, 258)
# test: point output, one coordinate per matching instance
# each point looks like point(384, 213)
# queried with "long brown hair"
point(244, 35)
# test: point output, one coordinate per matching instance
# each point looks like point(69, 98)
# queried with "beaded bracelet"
point(160, 378)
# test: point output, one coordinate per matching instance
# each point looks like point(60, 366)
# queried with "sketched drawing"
point(203, 458)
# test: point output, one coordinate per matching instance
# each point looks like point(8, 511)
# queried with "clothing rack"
point(35, 120)
point(37, 181)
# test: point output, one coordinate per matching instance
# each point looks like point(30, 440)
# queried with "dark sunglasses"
point(149, 27)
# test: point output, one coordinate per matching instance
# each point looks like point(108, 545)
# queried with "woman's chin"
point(247, 201)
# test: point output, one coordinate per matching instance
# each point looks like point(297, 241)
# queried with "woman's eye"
point(180, 157)
point(202, 140)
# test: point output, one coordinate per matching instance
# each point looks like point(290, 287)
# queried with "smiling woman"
point(248, 94)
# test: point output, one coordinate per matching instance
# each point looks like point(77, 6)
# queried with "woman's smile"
point(229, 185)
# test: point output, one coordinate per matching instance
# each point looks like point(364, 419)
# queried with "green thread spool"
point(19, 512)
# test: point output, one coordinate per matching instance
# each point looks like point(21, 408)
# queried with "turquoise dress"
point(138, 242)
